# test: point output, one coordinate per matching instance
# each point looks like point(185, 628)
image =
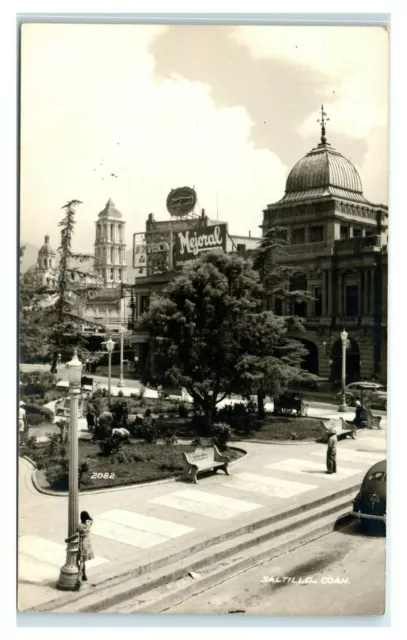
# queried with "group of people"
point(92, 365)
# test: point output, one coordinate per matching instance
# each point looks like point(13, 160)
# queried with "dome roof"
point(323, 172)
point(110, 210)
point(46, 248)
point(324, 167)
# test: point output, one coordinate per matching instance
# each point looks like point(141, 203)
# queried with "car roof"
point(379, 466)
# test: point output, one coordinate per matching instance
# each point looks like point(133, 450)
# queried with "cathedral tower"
point(110, 247)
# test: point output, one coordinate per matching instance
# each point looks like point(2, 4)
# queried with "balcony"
point(357, 245)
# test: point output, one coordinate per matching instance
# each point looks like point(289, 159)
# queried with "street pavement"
point(342, 573)
point(136, 525)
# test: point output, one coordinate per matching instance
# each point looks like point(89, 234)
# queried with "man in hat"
point(331, 452)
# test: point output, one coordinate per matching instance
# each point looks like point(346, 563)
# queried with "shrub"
point(200, 426)
point(34, 419)
point(149, 432)
point(182, 410)
point(110, 445)
point(134, 395)
point(120, 394)
point(221, 433)
point(53, 445)
point(197, 442)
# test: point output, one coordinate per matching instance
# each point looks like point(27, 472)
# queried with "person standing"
point(85, 552)
point(331, 452)
point(22, 423)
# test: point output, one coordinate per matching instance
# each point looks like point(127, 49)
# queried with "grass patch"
point(134, 464)
point(279, 428)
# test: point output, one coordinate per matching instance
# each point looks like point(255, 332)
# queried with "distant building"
point(105, 308)
point(45, 270)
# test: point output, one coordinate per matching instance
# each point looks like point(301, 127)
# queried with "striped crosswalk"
point(204, 503)
point(309, 468)
point(267, 485)
point(136, 529)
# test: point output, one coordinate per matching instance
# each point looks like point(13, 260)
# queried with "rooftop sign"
point(181, 201)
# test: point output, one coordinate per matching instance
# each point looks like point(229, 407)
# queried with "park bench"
point(203, 460)
point(344, 428)
point(290, 405)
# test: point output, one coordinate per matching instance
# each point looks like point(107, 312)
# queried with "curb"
point(64, 494)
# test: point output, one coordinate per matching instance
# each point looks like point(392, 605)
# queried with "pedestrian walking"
point(85, 552)
point(331, 452)
point(22, 423)
point(87, 364)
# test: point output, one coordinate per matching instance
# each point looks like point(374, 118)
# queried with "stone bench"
point(341, 427)
point(203, 460)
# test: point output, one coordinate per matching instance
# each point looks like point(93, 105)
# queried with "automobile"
point(374, 394)
point(369, 506)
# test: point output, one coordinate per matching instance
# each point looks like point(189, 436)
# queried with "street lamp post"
point(69, 574)
point(121, 381)
point(109, 346)
point(344, 338)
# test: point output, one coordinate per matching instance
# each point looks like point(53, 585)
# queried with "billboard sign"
point(181, 201)
point(151, 252)
point(191, 243)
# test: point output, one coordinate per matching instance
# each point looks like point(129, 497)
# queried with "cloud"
point(92, 106)
point(355, 93)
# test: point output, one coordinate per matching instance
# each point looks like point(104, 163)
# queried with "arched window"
point(111, 254)
point(45, 262)
point(111, 274)
point(111, 231)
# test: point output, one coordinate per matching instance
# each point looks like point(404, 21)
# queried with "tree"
point(56, 315)
point(210, 326)
point(32, 335)
point(277, 278)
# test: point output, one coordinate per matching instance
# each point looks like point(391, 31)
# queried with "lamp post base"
point(343, 408)
point(121, 382)
point(69, 578)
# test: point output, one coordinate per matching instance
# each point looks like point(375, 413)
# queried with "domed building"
point(45, 269)
point(339, 241)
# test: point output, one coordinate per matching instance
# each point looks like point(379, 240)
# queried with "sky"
point(129, 112)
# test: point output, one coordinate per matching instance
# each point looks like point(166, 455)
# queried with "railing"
point(347, 320)
point(357, 244)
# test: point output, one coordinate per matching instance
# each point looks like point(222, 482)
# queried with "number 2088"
point(103, 476)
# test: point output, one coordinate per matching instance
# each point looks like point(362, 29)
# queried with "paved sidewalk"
point(136, 525)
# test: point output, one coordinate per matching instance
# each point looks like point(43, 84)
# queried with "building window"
point(370, 232)
point(316, 234)
point(111, 274)
point(278, 307)
point(318, 301)
point(344, 232)
point(298, 236)
point(352, 301)
point(119, 273)
point(241, 247)
point(357, 233)
point(111, 254)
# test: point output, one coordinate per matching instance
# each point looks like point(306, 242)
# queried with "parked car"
point(374, 394)
point(369, 505)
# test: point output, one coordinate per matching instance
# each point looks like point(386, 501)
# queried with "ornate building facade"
point(338, 239)
point(110, 246)
point(45, 270)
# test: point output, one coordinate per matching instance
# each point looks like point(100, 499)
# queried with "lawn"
point(134, 464)
point(279, 428)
